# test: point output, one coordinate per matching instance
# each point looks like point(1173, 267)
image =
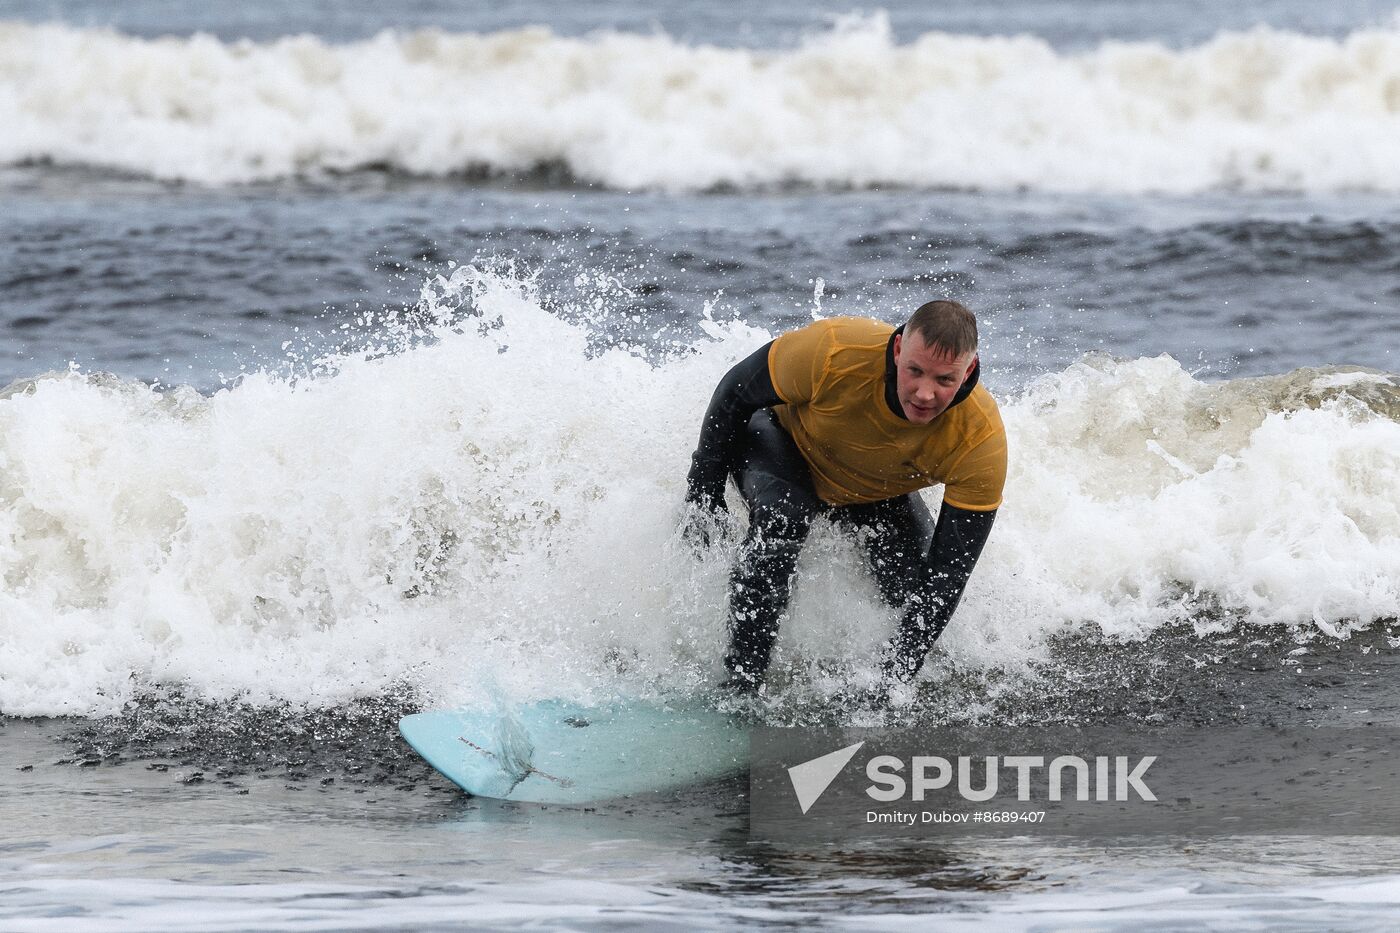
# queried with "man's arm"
point(744, 390)
point(958, 540)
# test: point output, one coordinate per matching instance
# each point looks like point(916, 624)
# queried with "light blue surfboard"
point(558, 752)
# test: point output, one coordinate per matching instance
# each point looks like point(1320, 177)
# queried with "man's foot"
point(740, 685)
point(739, 696)
point(874, 699)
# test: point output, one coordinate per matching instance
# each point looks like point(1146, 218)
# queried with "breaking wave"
point(494, 502)
point(1257, 110)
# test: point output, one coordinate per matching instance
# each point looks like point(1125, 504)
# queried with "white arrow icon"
point(811, 778)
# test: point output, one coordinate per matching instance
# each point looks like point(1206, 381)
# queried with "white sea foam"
point(499, 507)
point(1262, 109)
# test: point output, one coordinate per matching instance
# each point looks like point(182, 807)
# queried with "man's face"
point(927, 376)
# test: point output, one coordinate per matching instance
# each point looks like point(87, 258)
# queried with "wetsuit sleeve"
point(958, 540)
point(744, 390)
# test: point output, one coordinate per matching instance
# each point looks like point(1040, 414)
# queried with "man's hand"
point(705, 508)
point(704, 521)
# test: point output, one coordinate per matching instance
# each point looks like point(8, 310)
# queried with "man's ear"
point(972, 368)
point(898, 339)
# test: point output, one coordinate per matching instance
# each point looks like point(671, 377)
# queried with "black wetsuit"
point(921, 569)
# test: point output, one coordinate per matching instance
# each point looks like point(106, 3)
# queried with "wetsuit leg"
point(897, 533)
point(777, 485)
point(921, 568)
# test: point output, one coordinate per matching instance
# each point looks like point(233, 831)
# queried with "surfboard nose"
point(553, 751)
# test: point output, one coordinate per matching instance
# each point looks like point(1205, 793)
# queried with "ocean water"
point(356, 352)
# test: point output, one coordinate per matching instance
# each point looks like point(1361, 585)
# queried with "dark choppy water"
point(424, 313)
point(241, 818)
point(186, 286)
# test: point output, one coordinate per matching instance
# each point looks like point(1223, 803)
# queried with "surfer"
point(849, 418)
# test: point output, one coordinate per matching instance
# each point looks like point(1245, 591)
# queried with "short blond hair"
point(945, 324)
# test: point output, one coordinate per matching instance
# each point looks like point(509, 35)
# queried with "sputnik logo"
point(811, 778)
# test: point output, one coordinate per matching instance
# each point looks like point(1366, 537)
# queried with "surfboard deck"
point(558, 752)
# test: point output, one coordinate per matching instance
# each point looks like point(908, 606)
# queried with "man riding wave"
point(849, 418)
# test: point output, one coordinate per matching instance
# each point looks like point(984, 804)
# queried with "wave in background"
point(496, 508)
point(1257, 110)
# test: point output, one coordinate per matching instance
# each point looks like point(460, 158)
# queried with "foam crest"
point(486, 503)
point(499, 501)
point(1258, 110)
point(1140, 496)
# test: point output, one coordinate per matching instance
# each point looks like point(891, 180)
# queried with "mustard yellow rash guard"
point(831, 375)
